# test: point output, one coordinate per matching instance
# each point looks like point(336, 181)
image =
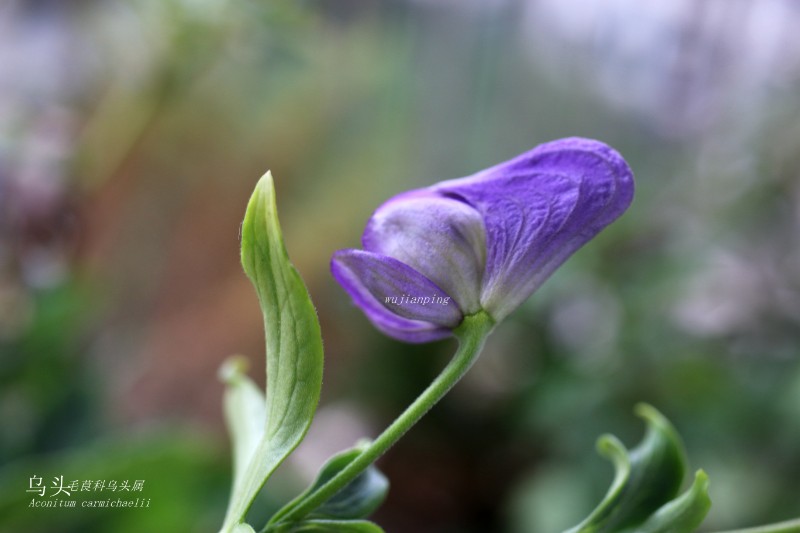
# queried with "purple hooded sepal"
point(538, 209)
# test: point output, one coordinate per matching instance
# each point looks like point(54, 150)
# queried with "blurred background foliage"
point(132, 133)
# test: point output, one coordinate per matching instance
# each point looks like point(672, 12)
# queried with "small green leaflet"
point(294, 356)
point(358, 499)
point(642, 497)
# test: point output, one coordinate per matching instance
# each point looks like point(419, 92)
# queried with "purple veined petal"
point(538, 209)
point(441, 238)
point(397, 299)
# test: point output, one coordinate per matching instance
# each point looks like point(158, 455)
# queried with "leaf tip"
point(266, 181)
point(260, 213)
point(611, 448)
point(233, 369)
point(650, 414)
point(701, 480)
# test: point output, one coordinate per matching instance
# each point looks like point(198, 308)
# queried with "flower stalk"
point(471, 335)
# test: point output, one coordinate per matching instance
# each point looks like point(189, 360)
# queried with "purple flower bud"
point(434, 255)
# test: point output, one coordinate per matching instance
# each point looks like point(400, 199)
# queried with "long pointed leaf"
point(294, 346)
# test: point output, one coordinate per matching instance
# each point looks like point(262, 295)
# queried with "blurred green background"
point(132, 133)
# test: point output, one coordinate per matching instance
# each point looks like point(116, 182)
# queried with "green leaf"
point(683, 514)
point(245, 414)
point(337, 526)
point(294, 347)
point(646, 478)
point(358, 499)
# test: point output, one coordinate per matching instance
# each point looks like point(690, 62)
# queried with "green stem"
point(790, 526)
point(471, 335)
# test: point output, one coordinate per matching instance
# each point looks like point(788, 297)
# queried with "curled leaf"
point(646, 477)
point(684, 514)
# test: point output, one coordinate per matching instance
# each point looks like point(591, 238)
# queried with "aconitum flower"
point(486, 242)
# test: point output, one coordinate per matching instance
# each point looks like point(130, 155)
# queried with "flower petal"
point(397, 299)
point(441, 238)
point(538, 209)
